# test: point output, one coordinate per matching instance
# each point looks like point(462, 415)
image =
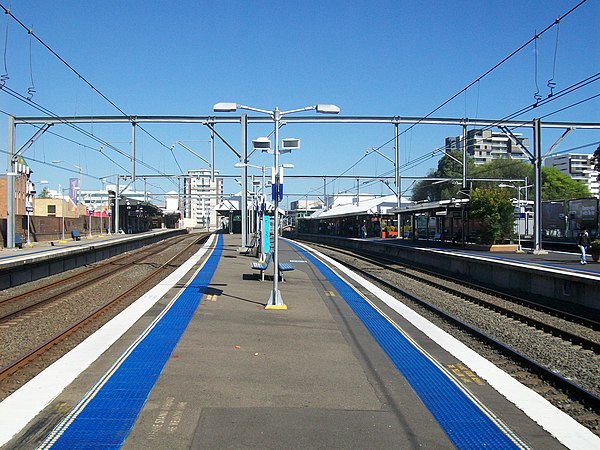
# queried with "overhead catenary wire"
point(489, 71)
point(537, 96)
point(31, 90)
point(60, 136)
point(75, 71)
point(5, 77)
point(431, 154)
point(74, 126)
point(551, 82)
point(477, 81)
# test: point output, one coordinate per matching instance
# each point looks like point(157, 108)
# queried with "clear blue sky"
point(377, 58)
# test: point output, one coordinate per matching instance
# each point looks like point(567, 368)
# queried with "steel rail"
point(31, 355)
point(375, 257)
point(136, 258)
point(538, 324)
point(575, 391)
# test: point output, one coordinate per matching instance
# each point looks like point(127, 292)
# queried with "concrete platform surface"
point(311, 376)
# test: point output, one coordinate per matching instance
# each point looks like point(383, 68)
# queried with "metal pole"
point(526, 205)
point(28, 214)
point(133, 124)
point(117, 198)
point(212, 155)
point(251, 216)
point(397, 173)
point(62, 210)
point(464, 181)
point(519, 250)
point(89, 213)
point(537, 164)
point(10, 181)
point(244, 202)
point(179, 194)
point(109, 219)
point(464, 157)
point(275, 300)
point(80, 194)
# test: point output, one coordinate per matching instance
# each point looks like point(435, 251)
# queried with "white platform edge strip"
point(17, 410)
point(518, 263)
point(564, 428)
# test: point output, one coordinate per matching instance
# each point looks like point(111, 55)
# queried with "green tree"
point(425, 190)
point(504, 168)
point(449, 166)
point(555, 184)
point(44, 193)
point(494, 209)
point(559, 186)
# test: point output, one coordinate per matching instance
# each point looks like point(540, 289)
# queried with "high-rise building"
point(578, 166)
point(486, 145)
point(201, 196)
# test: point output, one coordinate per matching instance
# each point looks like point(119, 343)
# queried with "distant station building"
point(578, 166)
point(486, 145)
point(24, 190)
point(201, 196)
point(303, 208)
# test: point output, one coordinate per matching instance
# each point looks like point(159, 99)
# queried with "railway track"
point(86, 281)
point(573, 389)
point(30, 299)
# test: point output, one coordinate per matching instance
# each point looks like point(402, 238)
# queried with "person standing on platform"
point(583, 242)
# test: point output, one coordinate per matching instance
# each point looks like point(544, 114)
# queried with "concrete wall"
point(42, 265)
point(555, 288)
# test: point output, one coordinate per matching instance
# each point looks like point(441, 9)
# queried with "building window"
point(52, 210)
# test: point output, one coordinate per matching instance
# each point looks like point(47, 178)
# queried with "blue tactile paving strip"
point(106, 414)
point(467, 422)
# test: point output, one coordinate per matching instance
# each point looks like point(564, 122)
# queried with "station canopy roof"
point(371, 206)
point(426, 206)
point(232, 204)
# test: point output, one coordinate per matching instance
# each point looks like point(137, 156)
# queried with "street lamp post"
point(275, 300)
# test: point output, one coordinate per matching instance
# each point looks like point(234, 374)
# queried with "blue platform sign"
point(266, 237)
point(277, 190)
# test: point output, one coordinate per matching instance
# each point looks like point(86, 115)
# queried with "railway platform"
point(198, 362)
point(41, 249)
point(556, 279)
point(18, 266)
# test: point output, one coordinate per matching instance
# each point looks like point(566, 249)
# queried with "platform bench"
point(262, 265)
point(75, 235)
point(284, 267)
point(18, 241)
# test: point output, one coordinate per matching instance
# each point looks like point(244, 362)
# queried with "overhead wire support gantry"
point(244, 120)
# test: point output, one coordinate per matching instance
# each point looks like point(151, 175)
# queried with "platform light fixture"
point(275, 300)
point(262, 144)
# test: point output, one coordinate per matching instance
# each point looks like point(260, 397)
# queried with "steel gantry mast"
point(211, 121)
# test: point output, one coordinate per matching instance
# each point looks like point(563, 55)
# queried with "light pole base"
point(276, 303)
